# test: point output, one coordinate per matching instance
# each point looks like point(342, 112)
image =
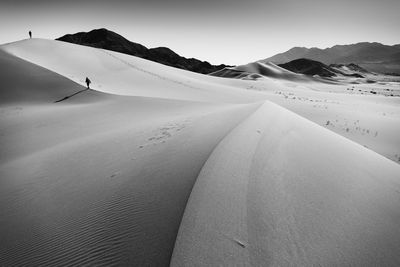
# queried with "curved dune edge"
point(280, 190)
point(111, 198)
point(97, 179)
point(89, 182)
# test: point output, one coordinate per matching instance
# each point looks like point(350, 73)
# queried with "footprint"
point(165, 132)
point(239, 243)
point(114, 174)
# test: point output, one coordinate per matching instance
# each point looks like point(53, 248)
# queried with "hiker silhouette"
point(88, 82)
point(30, 34)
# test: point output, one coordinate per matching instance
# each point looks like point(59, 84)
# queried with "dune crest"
point(280, 190)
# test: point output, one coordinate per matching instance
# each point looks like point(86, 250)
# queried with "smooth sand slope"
point(102, 177)
point(98, 189)
point(282, 191)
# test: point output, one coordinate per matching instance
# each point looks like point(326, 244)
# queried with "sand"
point(156, 165)
point(282, 191)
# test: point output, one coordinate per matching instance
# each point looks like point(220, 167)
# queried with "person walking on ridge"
point(88, 82)
point(30, 34)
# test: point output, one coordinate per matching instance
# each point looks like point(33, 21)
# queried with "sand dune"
point(271, 70)
point(282, 191)
point(102, 176)
point(38, 85)
point(237, 74)
point(97, 179)
point(113, 196)
point(121, 74)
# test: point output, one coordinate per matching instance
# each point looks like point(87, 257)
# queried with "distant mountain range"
point(374, 57)
point(103, 38)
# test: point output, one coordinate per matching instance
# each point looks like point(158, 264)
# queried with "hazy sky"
point(219, 31)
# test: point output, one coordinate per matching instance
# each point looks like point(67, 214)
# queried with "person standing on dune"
point(30, 34)
point(88, 82)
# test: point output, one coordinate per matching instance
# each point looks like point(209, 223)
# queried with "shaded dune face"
point(158, 166)
point(309, 67)
point(26, 82)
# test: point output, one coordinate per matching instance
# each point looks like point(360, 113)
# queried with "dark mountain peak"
point(306, 61)
point(308, 67)
point(94, 34)
point(100, 30)
point(99, 34)
point(103, 38)
point(164, 50)
point(313, 67)
point(106, 39)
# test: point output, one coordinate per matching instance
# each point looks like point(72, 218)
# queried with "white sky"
point(219, 31)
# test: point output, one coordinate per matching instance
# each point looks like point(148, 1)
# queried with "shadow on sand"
point(65, 98)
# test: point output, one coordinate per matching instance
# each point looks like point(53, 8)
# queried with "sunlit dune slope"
point(282, 191)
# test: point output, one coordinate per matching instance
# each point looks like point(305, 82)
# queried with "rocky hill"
point(103, 38)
